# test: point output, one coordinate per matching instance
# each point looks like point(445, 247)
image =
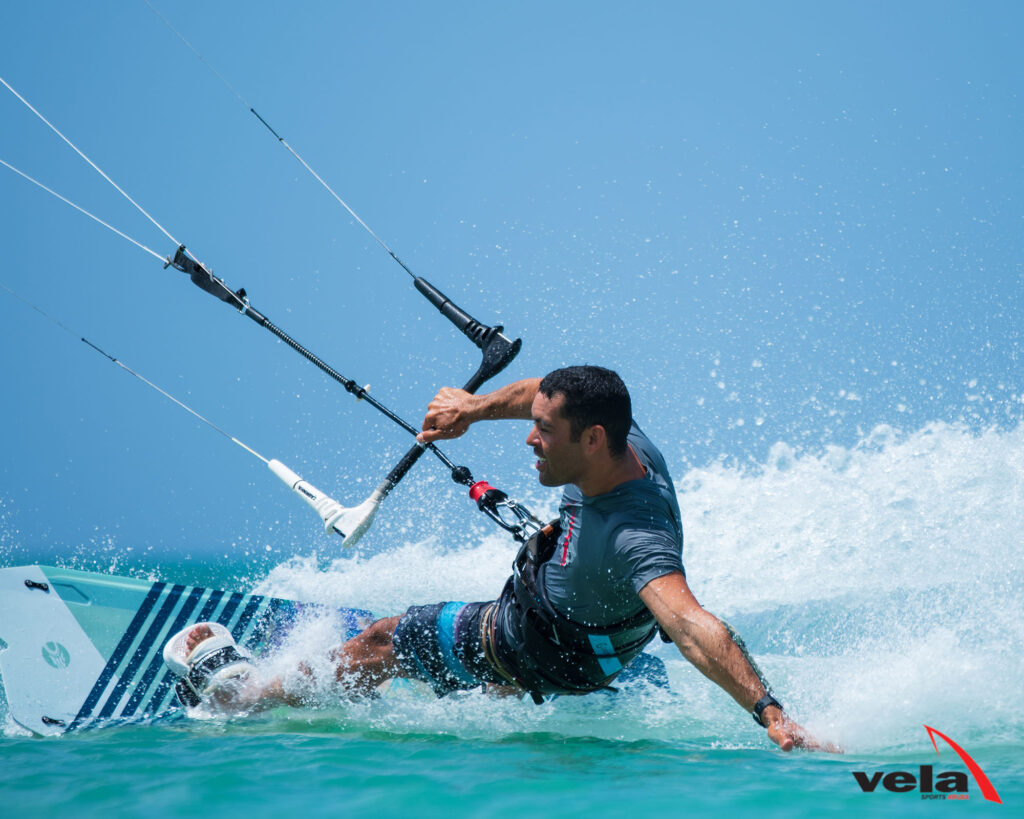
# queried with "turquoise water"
point(879, 587)
point(317, 765)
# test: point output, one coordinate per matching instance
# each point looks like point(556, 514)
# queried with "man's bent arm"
point(705, 642)
point(452, 411)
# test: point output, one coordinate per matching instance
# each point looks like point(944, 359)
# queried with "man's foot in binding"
point(212, 670)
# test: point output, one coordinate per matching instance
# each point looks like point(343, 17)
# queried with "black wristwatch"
point(765, 701)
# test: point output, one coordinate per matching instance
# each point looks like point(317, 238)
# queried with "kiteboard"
point(84, 649)
point(78, 649)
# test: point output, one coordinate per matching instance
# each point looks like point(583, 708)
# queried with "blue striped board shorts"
point(441, 645)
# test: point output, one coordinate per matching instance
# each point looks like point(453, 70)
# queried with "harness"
point(557, 655)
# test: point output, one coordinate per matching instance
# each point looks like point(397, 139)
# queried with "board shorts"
point(441, 645)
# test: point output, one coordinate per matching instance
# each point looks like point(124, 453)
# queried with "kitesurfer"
point(587, 593)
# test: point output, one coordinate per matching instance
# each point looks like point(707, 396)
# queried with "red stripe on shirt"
point(565, 543)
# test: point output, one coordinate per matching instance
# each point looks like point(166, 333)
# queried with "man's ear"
point(594, 438)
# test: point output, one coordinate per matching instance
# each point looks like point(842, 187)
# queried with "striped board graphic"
point(78, 649)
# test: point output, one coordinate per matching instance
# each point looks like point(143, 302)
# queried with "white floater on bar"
point(349, 522)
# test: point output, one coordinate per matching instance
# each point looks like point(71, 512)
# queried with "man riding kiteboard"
point(588, 592)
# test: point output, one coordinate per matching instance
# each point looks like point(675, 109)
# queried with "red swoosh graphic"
point(987, 790)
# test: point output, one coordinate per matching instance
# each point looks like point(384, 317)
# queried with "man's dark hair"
point(593, 395)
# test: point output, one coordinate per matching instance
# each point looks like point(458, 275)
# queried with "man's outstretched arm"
point(705, 642)
point(452, 411)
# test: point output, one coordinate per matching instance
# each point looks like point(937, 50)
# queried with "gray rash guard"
point(611, 546)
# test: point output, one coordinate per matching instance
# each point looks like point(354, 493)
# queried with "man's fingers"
point(789, 735)
point(782, 737)
point(428, 436)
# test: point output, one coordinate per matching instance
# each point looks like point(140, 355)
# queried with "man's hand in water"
point(788, 735)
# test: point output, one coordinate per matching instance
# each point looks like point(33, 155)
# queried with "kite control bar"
point(352, 522)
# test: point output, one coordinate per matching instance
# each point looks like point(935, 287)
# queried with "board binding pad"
point(78, 649)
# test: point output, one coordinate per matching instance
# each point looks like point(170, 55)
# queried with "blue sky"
point(788, 223)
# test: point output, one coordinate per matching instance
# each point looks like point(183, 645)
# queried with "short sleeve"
point(642, 555)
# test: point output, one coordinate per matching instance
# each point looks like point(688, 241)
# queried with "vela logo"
point(944, 785)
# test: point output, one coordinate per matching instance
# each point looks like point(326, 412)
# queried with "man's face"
point(559, 459)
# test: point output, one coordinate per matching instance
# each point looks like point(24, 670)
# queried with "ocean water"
point(879, 587)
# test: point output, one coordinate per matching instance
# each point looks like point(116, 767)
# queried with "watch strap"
point(765, 701)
